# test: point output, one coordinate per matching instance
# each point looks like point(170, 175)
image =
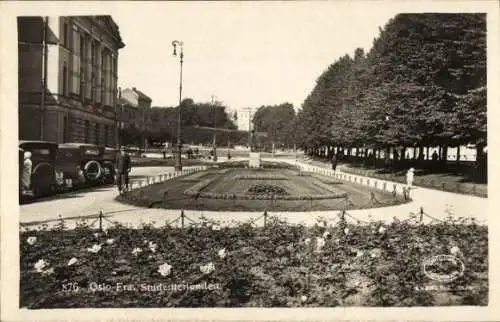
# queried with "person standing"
point(334, 162)
point(27, 169)
point(123, 167)
point(409, 178)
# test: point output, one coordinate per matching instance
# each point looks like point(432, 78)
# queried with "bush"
point(278, 265)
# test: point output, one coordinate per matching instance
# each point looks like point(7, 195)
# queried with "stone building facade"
point(80, 79)
point(134, 112)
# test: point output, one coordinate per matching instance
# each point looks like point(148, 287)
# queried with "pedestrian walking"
point(409, 178)
point(123, 167)
point(334, 162)
point(27, 169)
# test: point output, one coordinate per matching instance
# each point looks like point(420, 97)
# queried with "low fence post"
point(100, 220)
point(182, 218)
point(421, 214)
point(265, 217)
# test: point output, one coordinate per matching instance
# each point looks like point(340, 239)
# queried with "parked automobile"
point(43, 158)
point(80, 163)
point(108, 164)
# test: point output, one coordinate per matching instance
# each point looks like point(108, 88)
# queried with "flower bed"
point(267, 189)
point(264, 164)
point(260, 177)
point(278, 265)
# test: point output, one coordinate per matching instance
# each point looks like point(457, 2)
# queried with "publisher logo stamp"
point(443, 268)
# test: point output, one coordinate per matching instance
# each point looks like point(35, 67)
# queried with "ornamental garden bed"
point(279, 265)
point(221, 192)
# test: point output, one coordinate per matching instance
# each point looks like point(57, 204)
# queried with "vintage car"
point(43, 159)
point(108, 164)
point(79, 164)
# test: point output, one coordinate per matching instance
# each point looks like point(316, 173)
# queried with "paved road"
point(83, 202)
point(438, 204)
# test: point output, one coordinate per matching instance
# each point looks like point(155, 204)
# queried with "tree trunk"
point(420, 152)
point(387, 155)
point(427, 156)
point(458, 155)
point(480, 165)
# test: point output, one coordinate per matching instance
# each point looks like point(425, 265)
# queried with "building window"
point(106, 134)
point(65, 80)
point(65, 129)
point(75, 63)
point(102, 90)
point(66, 35)
point(87, 132)
point(82, 81)
point(97, 133)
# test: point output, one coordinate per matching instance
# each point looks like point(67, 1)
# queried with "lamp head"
point(175, 43)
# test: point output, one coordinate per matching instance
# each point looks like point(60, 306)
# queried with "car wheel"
point(92, 170)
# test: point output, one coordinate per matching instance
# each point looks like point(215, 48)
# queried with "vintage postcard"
point(303, 160)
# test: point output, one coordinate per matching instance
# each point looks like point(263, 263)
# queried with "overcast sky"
point(246, 54)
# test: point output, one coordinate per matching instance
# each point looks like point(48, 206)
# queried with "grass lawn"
point(218, 186)
point(441, 181)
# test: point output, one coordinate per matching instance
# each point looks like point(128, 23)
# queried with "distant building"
point(80, 77)
point(134, 111)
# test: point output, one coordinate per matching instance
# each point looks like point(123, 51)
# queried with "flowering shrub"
point(279, 265)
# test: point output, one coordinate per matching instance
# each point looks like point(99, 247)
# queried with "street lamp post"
point(178, 162)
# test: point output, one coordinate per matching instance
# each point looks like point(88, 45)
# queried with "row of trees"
point(277, 123)
point(423, 83)
point(196, 118)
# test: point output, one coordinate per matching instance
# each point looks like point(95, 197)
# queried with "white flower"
point(222, 253)
point(145, 241)
point(95, 249)
point(381, 230)
point(215, 227)
point(72, 261)
point(165, 269)
point(152, 246)
point(303, 298)
point(110, 241)
point(320, 242)
point(136, 251)
point(31, 240)
point(455, 250)
point(49, 271)
point(207, 269)
point(40, 265)
point(307, 241)
point(326, 234)
point(346, 231)
point(375, 253)
point(359, 253)
point(96, 235)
